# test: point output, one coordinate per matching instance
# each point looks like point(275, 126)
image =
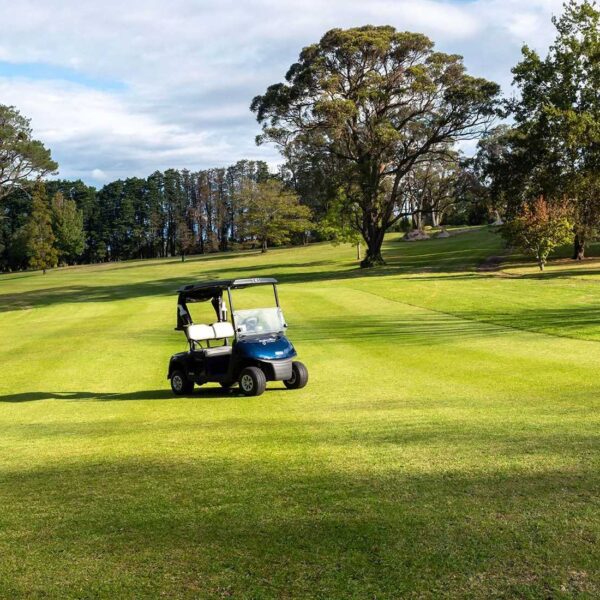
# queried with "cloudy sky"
point(122, 88)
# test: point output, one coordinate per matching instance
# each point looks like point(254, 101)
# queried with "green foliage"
point(340, 222)
point(272, 213)
point(40, 238)
point(22, 159)
point(553, 148)
point(539, 228)
point(375, 101)
point(67, 225)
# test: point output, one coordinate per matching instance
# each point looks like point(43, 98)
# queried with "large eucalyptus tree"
point(379, 101)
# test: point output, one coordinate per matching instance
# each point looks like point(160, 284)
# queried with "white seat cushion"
point(199, 332)
point(217, 351)
point(223, 329)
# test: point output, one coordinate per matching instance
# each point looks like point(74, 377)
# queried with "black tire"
point(180, 384)
point(252, 381)
point(299, 376)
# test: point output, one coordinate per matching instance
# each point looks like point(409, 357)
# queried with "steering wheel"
point(251, 323)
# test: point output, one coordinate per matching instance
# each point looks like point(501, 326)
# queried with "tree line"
point(170, 213)
point(369, 122)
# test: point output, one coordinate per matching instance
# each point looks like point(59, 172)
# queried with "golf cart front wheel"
point(252, 381)
point(180, 384)
point(299, 376)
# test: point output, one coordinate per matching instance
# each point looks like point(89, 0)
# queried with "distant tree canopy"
point(167, 214)
point(377, 102)
point(22, 159)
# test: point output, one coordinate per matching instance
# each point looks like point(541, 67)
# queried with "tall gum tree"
point(379, 101)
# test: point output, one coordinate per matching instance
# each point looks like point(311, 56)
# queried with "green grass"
point(446, 445)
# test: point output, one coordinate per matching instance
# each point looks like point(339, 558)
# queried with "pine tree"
point(40, 238)
point(67, 225)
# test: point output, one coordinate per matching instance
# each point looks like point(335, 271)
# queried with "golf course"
point(446, 445)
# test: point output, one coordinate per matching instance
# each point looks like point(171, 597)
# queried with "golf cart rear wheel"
point(299, 376)
point(180, 384)
point(252, 381)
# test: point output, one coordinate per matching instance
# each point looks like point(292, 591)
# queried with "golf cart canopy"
point(213, 291)
point(205, 290)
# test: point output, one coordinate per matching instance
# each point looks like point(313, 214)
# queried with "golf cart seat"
point(217, 351)
point(221, 330)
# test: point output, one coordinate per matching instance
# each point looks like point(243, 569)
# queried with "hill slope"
point(446, 445)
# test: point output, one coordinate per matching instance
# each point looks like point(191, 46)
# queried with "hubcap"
point(177, 383)
point(247, 383)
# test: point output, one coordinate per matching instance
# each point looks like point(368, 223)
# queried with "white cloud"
point(98, 175)
point(190, 68)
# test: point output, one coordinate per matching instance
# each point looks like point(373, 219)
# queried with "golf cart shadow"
point(205, 392)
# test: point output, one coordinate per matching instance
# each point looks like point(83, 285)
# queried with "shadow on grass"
point(561, 274)
point(163, 394)
point(248, 526)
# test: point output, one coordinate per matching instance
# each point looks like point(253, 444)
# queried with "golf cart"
point(250, 349)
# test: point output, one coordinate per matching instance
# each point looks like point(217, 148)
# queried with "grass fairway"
point(447, 444)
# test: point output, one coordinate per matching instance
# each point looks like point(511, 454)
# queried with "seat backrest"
point(198, 332)
point(223, 329)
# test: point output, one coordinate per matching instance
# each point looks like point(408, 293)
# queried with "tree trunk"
point(417, 219)
point(579, 247)
point(358, 253)
point(374, 242)
point(263, 247)
point(182, 257)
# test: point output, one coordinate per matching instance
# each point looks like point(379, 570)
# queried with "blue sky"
point(118, 89)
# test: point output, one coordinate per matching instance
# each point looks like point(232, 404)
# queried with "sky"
point(122, 88)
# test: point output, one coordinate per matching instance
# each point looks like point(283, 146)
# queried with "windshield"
point(255, 321)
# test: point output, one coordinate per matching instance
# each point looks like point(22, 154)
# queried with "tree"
point(84, 197)
point(67, 226)
point(41, 247)
point(539, 227)
point(502, 168)
point(380, 101)
point(557, 116)
point(429, 190)
point(14, 215)
point(184, 239)
point(21, 157)
point(272, 213)
point(339, 223)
